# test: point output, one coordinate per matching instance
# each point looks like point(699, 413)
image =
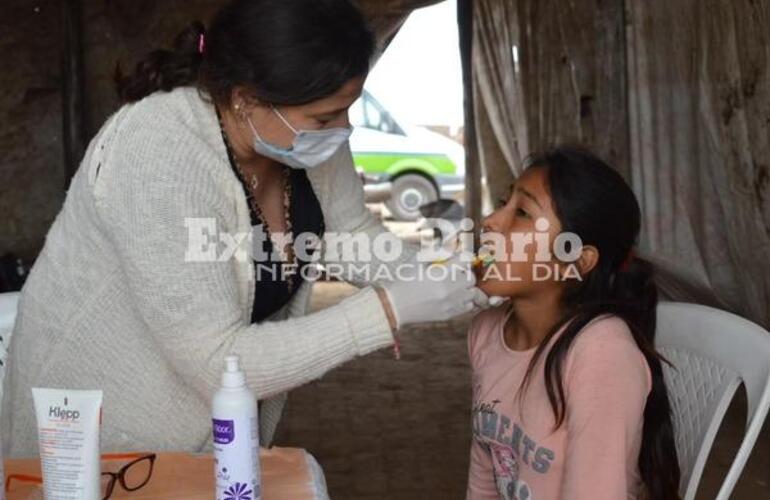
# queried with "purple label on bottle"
point(224, 431)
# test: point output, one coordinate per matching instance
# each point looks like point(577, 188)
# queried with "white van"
point(422, 165)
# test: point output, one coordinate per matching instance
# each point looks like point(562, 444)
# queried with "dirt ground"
point(399, 430)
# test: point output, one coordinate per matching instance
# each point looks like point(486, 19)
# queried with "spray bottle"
point(236, 437)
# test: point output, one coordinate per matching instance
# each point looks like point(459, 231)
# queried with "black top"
point(272, 292)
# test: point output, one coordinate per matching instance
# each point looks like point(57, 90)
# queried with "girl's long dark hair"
point(593, 201)
point(285, 52)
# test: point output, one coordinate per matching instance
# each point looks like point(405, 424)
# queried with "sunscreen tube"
point(68, 436)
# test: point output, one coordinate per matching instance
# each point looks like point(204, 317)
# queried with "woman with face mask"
point(151, 274)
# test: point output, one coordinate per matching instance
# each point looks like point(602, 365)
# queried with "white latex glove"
point(427, 298)
point(482, 301)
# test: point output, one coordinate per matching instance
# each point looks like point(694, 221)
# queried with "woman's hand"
point(432, 296)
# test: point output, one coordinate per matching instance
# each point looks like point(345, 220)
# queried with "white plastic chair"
point(8, 304)
point(713, 352)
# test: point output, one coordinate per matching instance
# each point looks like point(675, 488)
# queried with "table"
point(287, 473)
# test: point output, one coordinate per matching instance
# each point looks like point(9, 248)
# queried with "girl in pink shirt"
point(569, 401)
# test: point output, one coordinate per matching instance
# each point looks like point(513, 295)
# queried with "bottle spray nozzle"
point(233, 376)
point(231, 364)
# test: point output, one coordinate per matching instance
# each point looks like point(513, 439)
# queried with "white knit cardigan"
point(111, 303)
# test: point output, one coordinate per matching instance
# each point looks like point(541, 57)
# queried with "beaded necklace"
point(286, 251)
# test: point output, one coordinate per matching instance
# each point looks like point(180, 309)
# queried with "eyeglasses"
point(131, 477)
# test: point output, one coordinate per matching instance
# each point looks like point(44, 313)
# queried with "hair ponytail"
point(164, 69)
point(636, 294)
point(635, 291)
point(289, 52)
point(593, 201)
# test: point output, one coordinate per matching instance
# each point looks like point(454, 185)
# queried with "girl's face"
point(524, 227)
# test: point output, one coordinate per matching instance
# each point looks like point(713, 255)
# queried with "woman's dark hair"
point(286, 52)
point(593, 201)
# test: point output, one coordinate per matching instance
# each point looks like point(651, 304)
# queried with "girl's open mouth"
point(485, 257)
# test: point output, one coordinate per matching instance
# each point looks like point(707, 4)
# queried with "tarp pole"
point(472, 164)
point(73, 106)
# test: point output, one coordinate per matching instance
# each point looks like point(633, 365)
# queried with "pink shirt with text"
point(516, 454)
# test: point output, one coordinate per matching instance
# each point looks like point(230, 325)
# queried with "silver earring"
point(240, 111)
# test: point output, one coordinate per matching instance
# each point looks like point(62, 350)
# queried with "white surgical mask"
point(309, 148)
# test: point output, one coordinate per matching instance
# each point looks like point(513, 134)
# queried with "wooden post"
point(472, 164)
point(73, 123)
point(610, 126)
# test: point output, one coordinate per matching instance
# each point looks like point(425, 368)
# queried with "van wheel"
point(410, 192)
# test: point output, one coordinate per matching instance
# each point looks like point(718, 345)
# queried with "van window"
point(356, 114)
point(376, 117)
point(367, 112)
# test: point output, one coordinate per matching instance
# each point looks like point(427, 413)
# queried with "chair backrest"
point(8, 304)
point(713, 352)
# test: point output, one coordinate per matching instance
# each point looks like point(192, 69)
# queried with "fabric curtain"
point(548, 72)
point(500, 125)
point(675, 95)
point(699, 94)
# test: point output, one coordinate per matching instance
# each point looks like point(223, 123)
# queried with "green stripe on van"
point(394, 163)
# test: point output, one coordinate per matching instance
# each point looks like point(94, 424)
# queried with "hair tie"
point(201, 43)
point(626, 264)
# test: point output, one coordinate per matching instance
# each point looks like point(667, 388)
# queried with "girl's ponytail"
point(636, 296)
point(164, 69)
point(635, 292)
